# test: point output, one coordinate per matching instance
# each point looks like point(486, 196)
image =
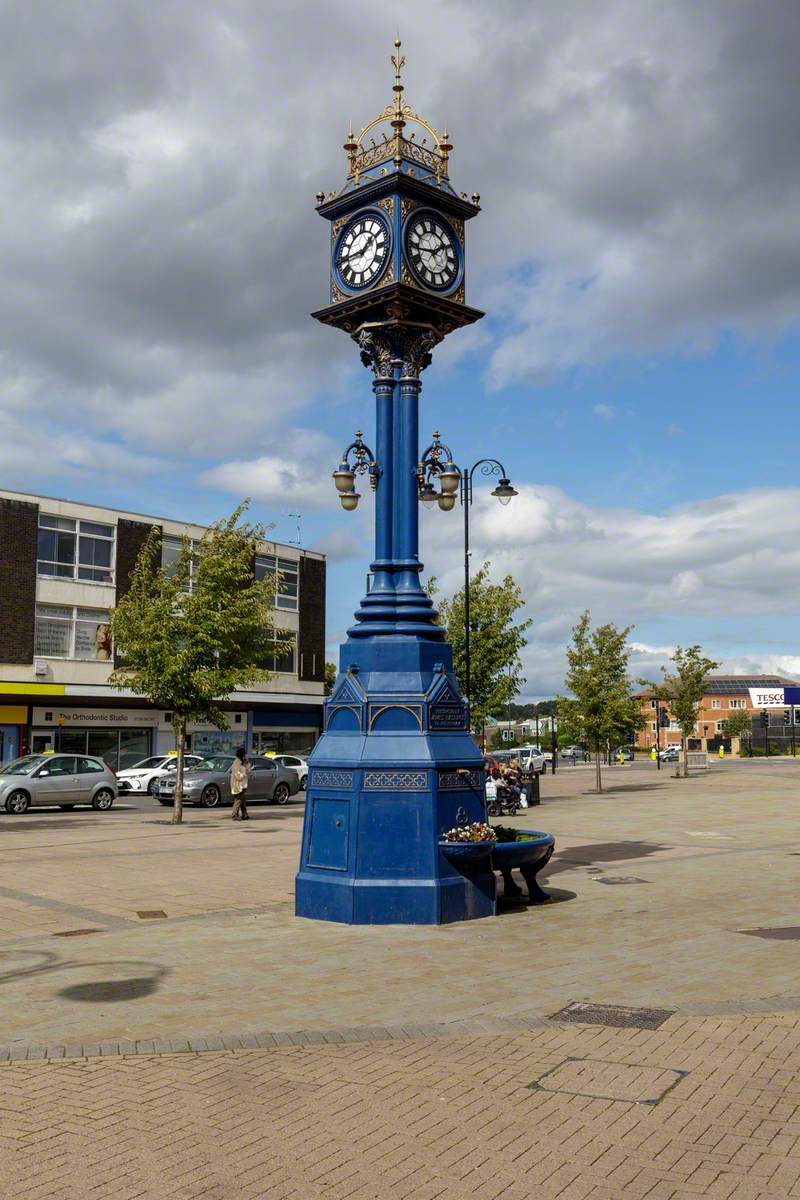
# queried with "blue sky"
point(638, 257)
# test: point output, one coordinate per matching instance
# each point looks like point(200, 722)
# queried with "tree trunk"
point(179, 725)
point(685, 758)
point(598, 770)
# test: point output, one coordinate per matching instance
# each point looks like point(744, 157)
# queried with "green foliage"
point(604, 709)
point(330, 677)
point(738, 724)
point(544, 708)
point(495, 644)
point(684, 689)
point(187, 650)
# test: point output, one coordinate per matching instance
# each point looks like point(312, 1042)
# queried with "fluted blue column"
point(397, 603)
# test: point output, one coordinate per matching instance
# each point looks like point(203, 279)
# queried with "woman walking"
point(240, 773)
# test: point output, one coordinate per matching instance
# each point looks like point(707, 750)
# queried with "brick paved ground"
point(398, 1063)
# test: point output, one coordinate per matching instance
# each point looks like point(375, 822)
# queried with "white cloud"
point(340, 545)
point(704, 561)
point(606, 412)
point(298, 473)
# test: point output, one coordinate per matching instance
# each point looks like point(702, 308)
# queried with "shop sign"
point(768, 697)
point(122, 718)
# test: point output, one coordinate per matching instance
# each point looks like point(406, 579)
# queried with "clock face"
point(431, 250)
point(363, 251)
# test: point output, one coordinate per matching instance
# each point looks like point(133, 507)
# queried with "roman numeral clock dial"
point(432, 251)
point(363, 251)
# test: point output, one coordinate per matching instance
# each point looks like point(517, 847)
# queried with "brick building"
point(62, 567)
point(724, 695)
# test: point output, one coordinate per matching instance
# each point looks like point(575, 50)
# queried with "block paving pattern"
point(424, 1119)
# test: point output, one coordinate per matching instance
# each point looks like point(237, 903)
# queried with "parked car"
point(209, 783)
point(144, 776)
point(670, 754)
point(294, 763)
point(63, 780)
point(530, 760)
point(575, 753)
point(622, 752)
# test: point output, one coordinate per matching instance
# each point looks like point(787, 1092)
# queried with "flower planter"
point(466, 852)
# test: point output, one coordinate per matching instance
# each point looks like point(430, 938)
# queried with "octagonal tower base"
point(395, 768)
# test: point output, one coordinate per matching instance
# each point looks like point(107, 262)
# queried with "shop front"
point(13, 721)
point(278, 729)
point(121, 737)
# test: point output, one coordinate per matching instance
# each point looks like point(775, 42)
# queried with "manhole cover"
point(615, 1015)
point(151, 914)
point(76, 932)
point(781, 933)
point(609, 1080)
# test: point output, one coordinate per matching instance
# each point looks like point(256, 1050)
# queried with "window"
point(70, 549)
point(654, 726)
point(288, 571)
point(716, 704)
point(63, 631)
point(87, 765)
point(61, 765)
point(171, 548)
point(283, 662)
point(738, 703)
point(654, 704)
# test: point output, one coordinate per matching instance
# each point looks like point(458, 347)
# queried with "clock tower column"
point(396, 766)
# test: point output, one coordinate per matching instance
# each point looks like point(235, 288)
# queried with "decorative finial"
point(351, 146)
point(320, 197)
point(398, 120)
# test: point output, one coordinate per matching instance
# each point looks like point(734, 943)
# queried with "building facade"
point(724, 695)
point(63, 566)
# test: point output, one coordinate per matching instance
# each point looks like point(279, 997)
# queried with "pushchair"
point(502, 799)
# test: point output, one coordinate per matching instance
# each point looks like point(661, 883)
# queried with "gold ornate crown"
point(361, 155)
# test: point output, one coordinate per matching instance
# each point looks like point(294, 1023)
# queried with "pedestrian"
point(240, 774)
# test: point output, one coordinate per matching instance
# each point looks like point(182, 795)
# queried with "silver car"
point(209, 784)
point(65, 780)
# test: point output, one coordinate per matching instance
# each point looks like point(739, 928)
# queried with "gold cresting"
point(435, 157)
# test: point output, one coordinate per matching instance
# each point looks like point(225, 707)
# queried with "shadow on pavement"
point(144, 982)
point(586, 856)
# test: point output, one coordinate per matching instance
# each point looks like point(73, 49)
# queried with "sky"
point(637, 256)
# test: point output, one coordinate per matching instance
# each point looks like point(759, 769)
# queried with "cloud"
point(299, 473)
point(692, 563)
point(606, 412)
point(160, 250)
point(341, 546)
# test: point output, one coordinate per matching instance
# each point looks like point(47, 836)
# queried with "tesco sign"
point(784, 697)
point(771, 698)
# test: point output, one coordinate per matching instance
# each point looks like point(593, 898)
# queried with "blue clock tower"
point(396, 765)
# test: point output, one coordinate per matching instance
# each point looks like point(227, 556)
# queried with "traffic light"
point(663, 718)
point(787, 716)
point(765, 718)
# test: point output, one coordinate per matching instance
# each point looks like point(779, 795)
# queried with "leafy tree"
point(738, 724)
point(495, 642)
point(330, 677)
point(684, 689)
point(191, 632)
point(604, 709)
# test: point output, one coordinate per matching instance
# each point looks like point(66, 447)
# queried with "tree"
point(684, 690)
point(738, 724)
point(495, 642)
point(330, 677)
point(189, 633)
point(604, 709)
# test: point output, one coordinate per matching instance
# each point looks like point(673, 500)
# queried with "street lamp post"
point(435, 465)
point(504, 493)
